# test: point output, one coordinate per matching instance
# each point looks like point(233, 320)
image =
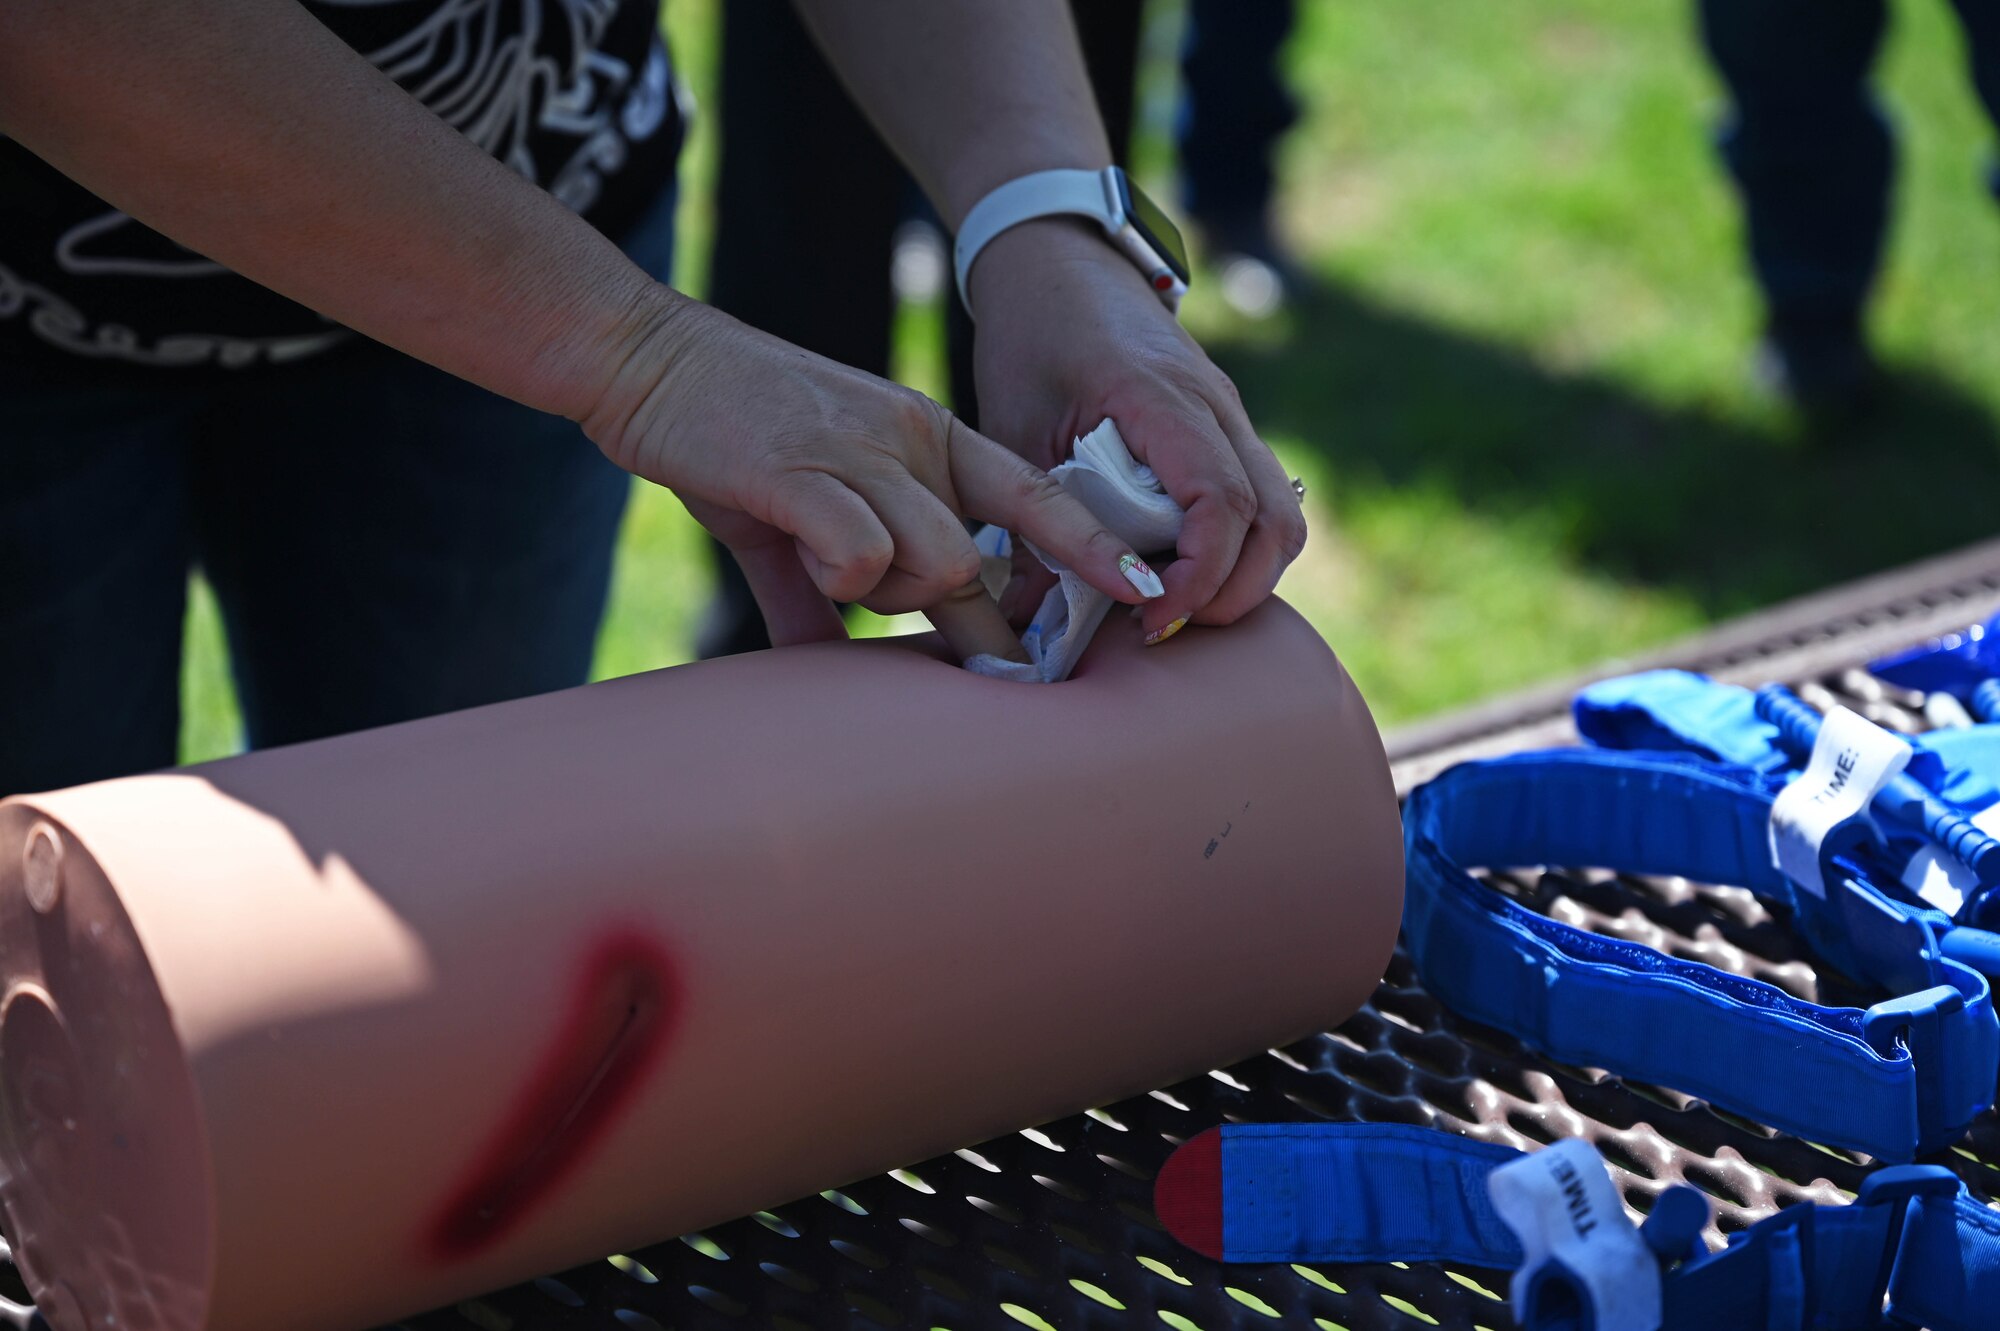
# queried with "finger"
point(998, 486)
point(934, 555)
point(795, 609)
point(996, 571)
point(971, 624)
point(841, 543)
point(1276, 536)
point(1186, 448)
point(936, 570)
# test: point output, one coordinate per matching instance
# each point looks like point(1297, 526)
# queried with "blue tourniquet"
point(1897, 1080)
point(1914, 1249)
point(1675, 711)
point(1965, 664)
point(1372, 1187)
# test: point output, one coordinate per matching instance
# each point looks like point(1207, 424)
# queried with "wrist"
point(987, 167)
point(1051, 257)
point(627, 354)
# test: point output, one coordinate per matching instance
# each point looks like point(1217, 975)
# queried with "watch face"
point(1154, 226)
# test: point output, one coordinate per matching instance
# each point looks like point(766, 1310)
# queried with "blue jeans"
point(386, 542)
point(1810, 149)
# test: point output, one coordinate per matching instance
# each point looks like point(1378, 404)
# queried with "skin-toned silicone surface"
point(320, 1036)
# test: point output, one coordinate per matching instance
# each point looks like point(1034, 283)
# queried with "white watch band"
point(1043, 194)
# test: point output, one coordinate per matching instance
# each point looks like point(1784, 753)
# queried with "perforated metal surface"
point(1054, 1227)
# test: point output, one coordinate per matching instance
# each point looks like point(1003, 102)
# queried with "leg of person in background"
point(1109, 33)
point(1234, 109)
point(806, 205)
point(388, 542)
point(1981, 19)
point(1813, 157)
point(94, 546)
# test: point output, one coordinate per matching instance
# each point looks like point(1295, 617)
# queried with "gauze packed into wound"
point(1124, 495)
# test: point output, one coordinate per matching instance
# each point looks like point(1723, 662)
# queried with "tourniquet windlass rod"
point(1903, 801)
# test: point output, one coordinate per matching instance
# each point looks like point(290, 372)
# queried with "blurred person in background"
point(212, 207)
point(787, 124)
point(1234, 108)
point(1813, 157)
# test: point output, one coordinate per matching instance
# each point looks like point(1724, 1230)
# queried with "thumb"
point(795, 609)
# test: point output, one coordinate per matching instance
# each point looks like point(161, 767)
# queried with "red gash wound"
point(622, 1011)
point(1187, 1194)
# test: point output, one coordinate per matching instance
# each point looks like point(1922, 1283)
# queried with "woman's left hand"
point(1070, 333)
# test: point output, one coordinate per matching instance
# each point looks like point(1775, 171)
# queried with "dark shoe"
point(1825, 371)
point(1254, 271)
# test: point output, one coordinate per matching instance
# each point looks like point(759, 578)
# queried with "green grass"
point(1518, 392)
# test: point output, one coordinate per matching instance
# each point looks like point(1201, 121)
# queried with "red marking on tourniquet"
point(1187, 1195)
point(624, 1007)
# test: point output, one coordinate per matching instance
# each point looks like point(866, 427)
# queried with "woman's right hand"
point(829, 484)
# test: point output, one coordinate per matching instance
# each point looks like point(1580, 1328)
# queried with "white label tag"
point(1939, 878)
point(1851, 762)
point(1560, 1204)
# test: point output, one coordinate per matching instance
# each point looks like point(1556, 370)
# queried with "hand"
point(827, 482)
point(1070, 333)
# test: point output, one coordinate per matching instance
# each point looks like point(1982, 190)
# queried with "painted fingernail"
point(1160, 635)
point(1141, 576)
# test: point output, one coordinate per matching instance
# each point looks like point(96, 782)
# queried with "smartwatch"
point(1131, 221)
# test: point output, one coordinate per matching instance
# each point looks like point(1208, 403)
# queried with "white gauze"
point(1123, 494)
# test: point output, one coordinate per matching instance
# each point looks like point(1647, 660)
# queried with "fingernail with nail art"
point(1160, 635)
point(1141, 576)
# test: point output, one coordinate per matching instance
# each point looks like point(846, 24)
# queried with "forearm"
point(969, 93)
point(246, 131)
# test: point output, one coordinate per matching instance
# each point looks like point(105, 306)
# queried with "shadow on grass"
point(1735, 516)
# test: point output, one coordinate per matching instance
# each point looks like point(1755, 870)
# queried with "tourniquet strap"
point(1896, 1080)
point(1913, 1249)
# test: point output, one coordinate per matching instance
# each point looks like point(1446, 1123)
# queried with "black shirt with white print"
point(576, 95)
